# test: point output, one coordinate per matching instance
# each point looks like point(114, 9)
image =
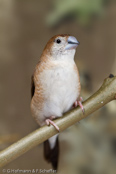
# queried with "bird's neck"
point(67, 55)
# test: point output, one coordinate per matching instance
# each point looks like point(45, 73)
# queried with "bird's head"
point(60, 46)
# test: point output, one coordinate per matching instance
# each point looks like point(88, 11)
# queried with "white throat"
point(66, 55)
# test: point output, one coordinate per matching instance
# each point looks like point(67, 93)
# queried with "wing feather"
point(32, 86)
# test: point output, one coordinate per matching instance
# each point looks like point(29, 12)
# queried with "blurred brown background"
point(25, 28)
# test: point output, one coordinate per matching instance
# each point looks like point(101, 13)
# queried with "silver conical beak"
point(72, 43)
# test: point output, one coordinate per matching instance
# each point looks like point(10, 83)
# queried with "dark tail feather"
point(52, 155)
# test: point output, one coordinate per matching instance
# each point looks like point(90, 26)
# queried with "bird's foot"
point(79, 102)
point(49, 121)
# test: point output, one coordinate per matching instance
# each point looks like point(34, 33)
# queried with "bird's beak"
point(72, 43)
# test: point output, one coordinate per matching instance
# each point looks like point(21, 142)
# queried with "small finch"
point(55, 88)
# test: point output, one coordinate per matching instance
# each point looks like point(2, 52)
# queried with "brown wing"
point(32, 86)
point(32, 83)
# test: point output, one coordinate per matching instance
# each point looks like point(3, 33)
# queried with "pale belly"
point(62, 90)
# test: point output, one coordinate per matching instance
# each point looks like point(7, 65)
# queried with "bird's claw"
point(79, 102)
point(48, 122)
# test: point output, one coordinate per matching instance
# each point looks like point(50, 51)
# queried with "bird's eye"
point(58, 41)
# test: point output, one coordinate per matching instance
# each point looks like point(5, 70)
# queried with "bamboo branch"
point(104, 95)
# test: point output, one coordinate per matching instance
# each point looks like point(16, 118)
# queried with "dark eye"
point(58, 41)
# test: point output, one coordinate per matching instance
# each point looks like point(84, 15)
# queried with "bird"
point(55, 88)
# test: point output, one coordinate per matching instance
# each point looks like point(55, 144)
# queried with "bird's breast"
point(61, 86)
